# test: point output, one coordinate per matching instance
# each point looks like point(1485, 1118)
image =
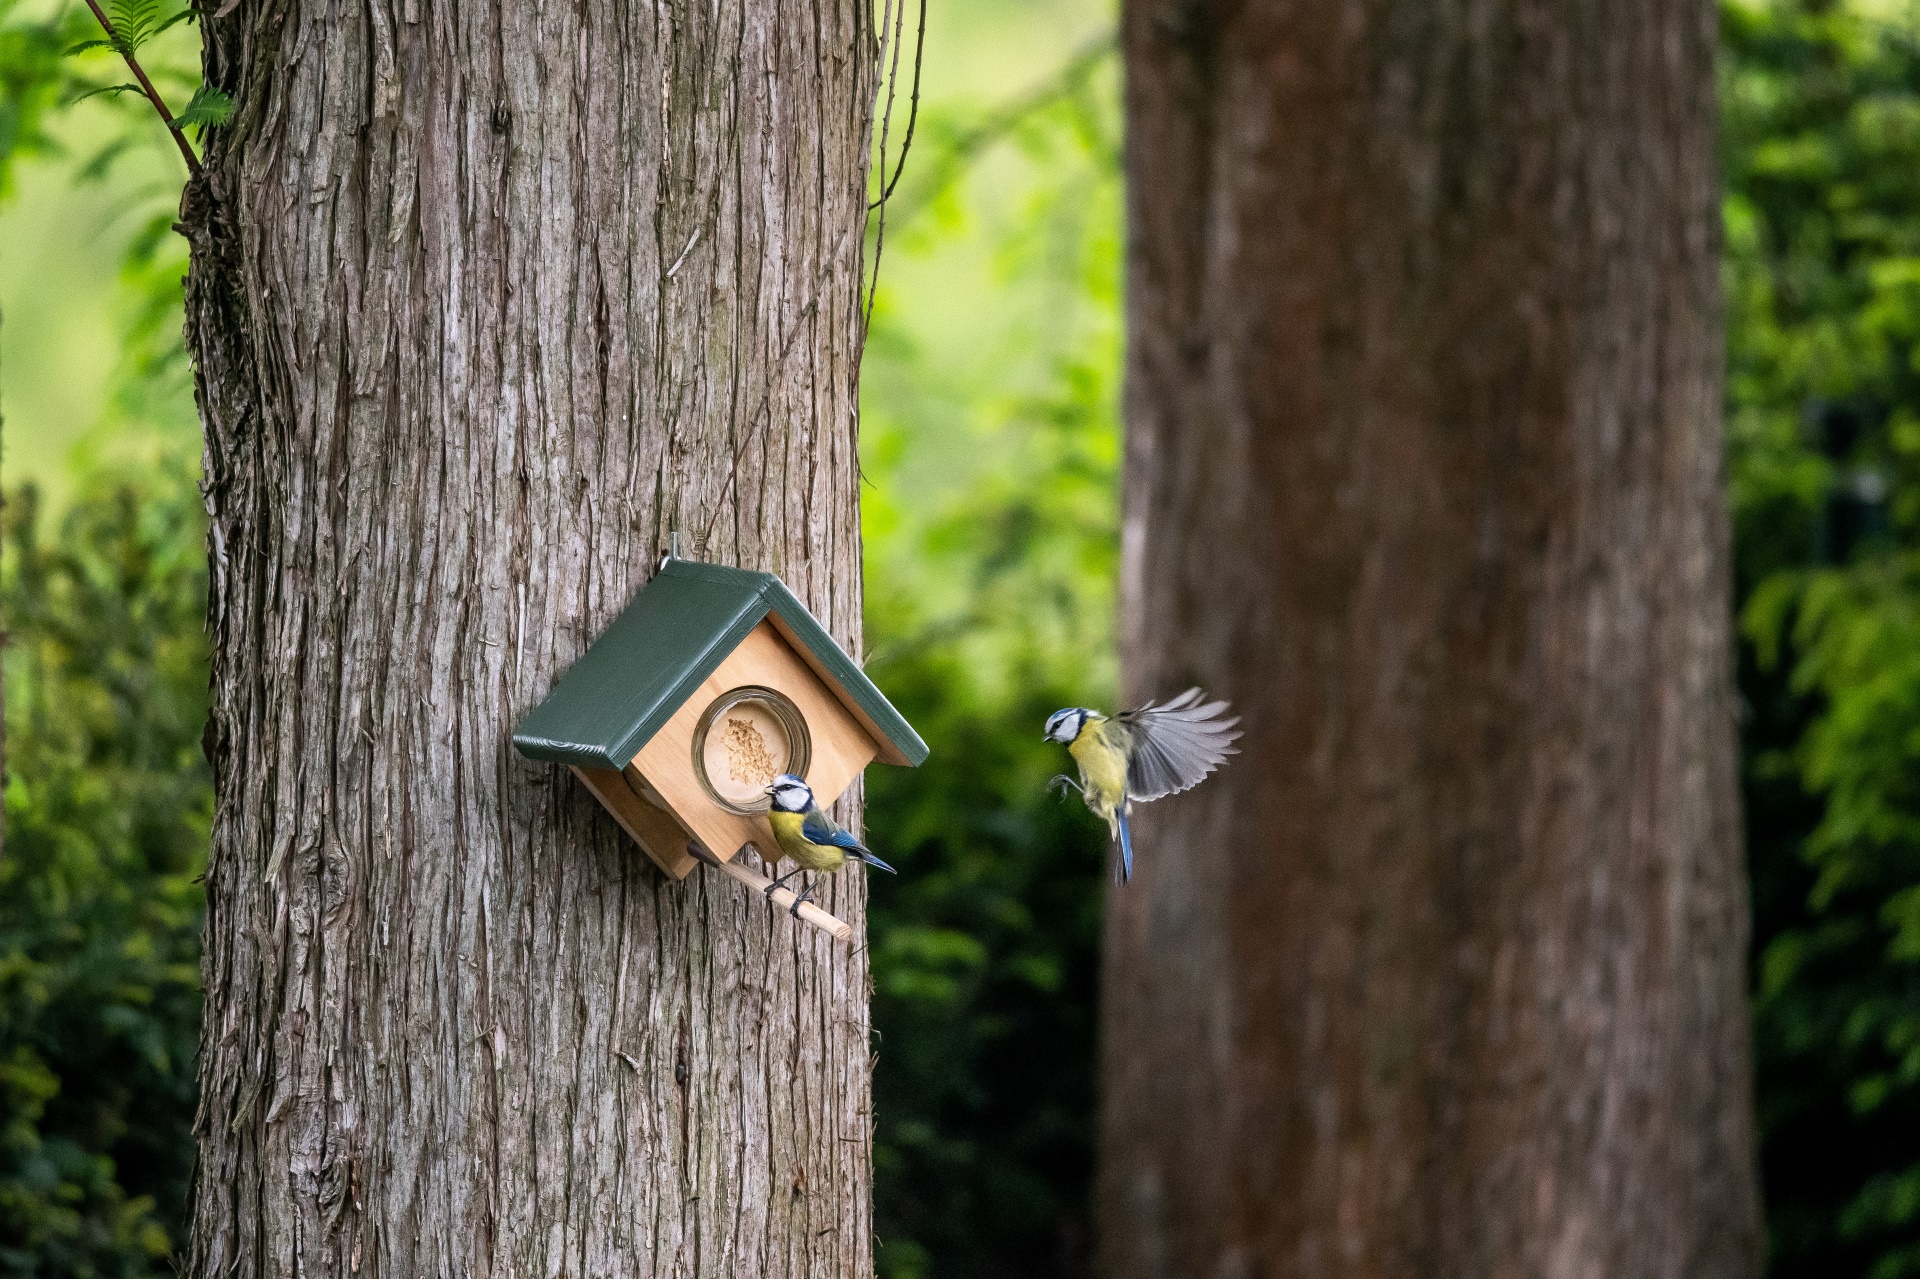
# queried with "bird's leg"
point(804, 895)
point(1061, 782)
point(768, 890)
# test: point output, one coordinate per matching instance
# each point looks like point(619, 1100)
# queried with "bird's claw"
point(804, 895)
point(1061, 784)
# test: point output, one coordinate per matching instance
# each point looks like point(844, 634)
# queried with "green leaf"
point(134, 23)
point(109, 88)
point(209, 107)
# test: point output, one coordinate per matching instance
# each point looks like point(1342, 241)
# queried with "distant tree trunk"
point(1444, 975)
point(484, 300)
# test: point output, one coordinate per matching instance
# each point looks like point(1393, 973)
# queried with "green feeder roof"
point(679, 628)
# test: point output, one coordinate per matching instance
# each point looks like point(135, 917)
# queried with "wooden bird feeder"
point(713, 681)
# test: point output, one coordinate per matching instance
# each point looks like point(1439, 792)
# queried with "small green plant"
point(129, 25)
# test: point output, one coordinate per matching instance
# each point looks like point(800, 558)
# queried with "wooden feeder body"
point(628, 718)
point(664, 778)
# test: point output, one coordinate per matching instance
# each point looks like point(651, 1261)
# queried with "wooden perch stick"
point(782, 897)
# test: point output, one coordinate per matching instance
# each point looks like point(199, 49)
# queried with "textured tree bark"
point(486, 299)
point(1444, 975)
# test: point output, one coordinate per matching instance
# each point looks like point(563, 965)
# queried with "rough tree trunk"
point(1443, 976)
point(484, 298)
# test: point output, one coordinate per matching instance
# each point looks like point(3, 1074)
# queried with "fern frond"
point(86, 45)
point(134, 23)
point(128, 25)
point(209, 107)
point(109, 88)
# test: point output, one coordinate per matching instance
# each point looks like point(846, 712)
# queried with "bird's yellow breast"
point(1103, 764)
point(794, 843)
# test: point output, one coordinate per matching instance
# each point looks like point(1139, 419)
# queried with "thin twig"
point(681, 260)
point(913, 117)
point(146, 86)
point(886, 123)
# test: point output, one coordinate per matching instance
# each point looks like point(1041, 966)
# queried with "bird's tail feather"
point(1126, 848)
point(864, 856)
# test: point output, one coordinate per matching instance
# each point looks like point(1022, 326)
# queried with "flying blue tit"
point(810, 837)
point(1141, 755)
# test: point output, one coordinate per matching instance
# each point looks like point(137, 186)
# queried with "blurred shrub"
point(1822, 161)
point(107, 809)
point(984, 990)
point(984, 951)
point(990, 596)
point(34, 79)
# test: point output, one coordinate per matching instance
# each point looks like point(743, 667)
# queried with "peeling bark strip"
point(1444, 976)
point(483, 299)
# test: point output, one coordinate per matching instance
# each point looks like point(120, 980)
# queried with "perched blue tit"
point(810, 837)
point(1141, 755)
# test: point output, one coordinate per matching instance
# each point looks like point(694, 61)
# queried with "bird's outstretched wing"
point(1175, 744)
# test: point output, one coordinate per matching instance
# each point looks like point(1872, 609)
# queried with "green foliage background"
point(1822, 159)
point(991, 440)
point(107, 810)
